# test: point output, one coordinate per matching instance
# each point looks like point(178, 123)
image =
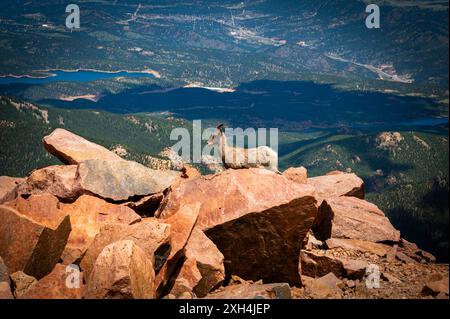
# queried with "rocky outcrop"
point(73, 149)
point(150, 234)
point(412, 251)
point(141, 233)
point(257, 230)
point(120, 180)
point(314, 264)
point(181, 226)
point(33, 234)
point(353, 218)
point(87, 214)
point(8, 187)
point(56, 285)
point(203, 269)
point(122, 270)
point(336, 184)
point(21, 283)
point(58, 180)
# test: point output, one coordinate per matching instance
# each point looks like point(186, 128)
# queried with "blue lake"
point(77, 76)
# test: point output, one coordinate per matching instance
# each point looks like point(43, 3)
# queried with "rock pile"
point(104, 227)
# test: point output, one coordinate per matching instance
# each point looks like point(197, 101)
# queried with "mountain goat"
point(235, 157)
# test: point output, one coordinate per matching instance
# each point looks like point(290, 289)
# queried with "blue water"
point(78, 76)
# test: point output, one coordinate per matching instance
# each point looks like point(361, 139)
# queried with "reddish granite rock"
point(21, 283)
point(353, 218)
point(122, 270)
point(258, 230)
point(325, 287)
point(315, 265)
point(181, 226)
point(337, 184)
point(436, 285)
point(8, 187)
point(5, 291)
point(122, 180)
point(59, 284)
point(87, 214)
point(150, 234)
point(33, 234)
point(73, 149)
point(354, 268)
point(58, 180)
point(203, 269)
point(297, 174)
point(189, 172)
point(413, 251)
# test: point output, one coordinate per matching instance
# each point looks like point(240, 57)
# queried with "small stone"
point(22, 282)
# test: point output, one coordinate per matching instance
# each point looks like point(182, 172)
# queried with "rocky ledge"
point(104, 227)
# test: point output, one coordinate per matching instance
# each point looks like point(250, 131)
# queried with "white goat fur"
point(236, 157)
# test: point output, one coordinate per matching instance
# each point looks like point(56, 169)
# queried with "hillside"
point(227, 43)
point(23, 125)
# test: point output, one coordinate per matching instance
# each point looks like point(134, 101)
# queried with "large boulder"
point(353, 218)
point(150, 234)
point(252, 291)
point(61, 283)
point(73, 149)
point(87, 214)
point(8, 187)
point(257, 219)
point(122, 270)
point(337, 184)
point(181, 226)
point(120, 180)
point(203, 268)
point(58, 180)
point(33, 234)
